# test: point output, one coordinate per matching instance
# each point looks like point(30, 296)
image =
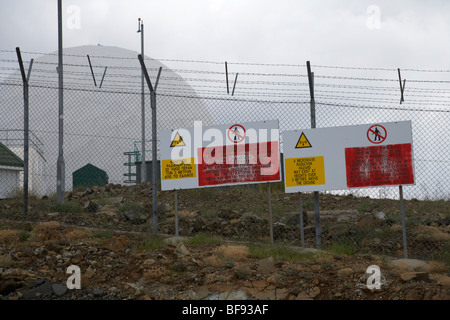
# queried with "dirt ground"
point(106, 232)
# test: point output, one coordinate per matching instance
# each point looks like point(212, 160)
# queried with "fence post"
point(26, 140)
point(313, 125)
point(60, 170)
point(154, 141)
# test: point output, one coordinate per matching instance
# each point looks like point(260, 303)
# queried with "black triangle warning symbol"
point(177, 141)
point(303, 142)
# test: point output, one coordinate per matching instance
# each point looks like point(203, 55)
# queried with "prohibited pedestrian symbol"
point(236, 133)
point(376, 134)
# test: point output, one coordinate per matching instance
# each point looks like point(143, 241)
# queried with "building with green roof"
point(10, 167)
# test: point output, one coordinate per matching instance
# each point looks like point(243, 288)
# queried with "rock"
point(90, 207)
point(59, 290)
point(419, 276)
point(367, 221)
point(135, 216)
point(266, 266)
point(181, 251)
point(9, 285)
point(163, 208)
point(345, 272)
point(409, 264)
point(314, 292)
point(380, 215)
point(250, 217)
point(116, 244)
point(338, 230)
point(39, 292)
point(97, 293)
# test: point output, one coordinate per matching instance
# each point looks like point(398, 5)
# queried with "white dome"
point(100, 124)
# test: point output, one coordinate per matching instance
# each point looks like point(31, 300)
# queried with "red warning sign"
point(236, 133)
point(252, 162)
point(379, 165)
point(376, 134)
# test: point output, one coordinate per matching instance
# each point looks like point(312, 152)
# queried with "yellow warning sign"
point(304, 171)
point(178, 169)
point(177, 141)
point(303, 142)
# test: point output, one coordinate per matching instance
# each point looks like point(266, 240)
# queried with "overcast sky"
point(410, 34)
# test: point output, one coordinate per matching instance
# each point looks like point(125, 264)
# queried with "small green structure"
point(89, 176)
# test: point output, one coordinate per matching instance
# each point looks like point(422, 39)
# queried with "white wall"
point(9, 181)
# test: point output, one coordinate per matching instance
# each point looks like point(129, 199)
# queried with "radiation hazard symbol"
point(177, 141)
point(303, 142)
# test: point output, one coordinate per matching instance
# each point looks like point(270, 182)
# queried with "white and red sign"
point(337, 158)
point(238, 153)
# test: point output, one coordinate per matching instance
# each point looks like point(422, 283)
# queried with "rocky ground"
point(106, 232)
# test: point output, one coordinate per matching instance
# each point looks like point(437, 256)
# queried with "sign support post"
point(176, 213)
point(302, 230)
point(402, 211)
point(270, 213)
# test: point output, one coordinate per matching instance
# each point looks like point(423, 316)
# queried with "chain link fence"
point(102, 146)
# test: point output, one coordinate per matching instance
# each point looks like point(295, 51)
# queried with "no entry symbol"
point(236, 133)
point(376, 134)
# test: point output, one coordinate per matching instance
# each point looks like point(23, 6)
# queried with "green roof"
point(9, 158)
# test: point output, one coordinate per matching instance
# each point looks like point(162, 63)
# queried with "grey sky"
point(411, 34)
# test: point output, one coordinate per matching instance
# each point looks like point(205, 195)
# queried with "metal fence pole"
point(26, 139)
point(143, 166)
point(154, 162)
point(313, 125)
point(60, 171)
point(154, 141)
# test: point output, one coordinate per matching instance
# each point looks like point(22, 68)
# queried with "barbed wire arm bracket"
point(92, 71)
point(402, 86)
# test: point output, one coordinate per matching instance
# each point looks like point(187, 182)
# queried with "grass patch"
point(151, 244)
point(279, 252)
point(102, 234)
point(364, 207)
point(131, 206)
point(342, 248)
point(65, 207)
point(210, 213)
point(24, 235)
point(204, 239)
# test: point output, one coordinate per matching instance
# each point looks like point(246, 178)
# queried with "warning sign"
point(379, 165)
point(376, 134)
point(358, 156)
point(178, 169)
point(224, 154)
point(244, 167)
point(303, 142)
point(236, 133)
point(177, 141)
point(304, 171)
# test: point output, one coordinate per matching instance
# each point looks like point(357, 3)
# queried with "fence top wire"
point(248, 80)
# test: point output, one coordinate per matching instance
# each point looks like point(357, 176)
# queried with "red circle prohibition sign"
point(376, 134)
point(236, 133)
